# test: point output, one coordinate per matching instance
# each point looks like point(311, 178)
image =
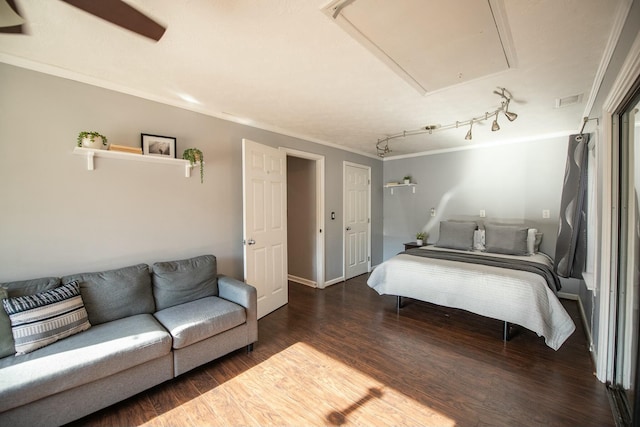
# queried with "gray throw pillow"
point(18, 289)
point(115, 294)
point(506, 239)
point(456, 235)
point(177, 282)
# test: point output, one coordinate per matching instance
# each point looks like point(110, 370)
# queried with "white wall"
point(58, 218)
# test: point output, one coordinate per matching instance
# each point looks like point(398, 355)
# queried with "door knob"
point(251, 242)
point(348, 228)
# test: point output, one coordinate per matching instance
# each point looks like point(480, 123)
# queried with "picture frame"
point(158, 145)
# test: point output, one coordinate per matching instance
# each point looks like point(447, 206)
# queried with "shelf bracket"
point(187, 170)
point(90, 164)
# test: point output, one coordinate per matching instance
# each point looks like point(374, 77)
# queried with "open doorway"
point(305, 219)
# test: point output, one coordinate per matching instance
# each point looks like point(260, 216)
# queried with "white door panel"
point(357, 224)
point(264, 224)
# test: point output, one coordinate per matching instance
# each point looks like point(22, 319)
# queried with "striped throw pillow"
point(44, 318)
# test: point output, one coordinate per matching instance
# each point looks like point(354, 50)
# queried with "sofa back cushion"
point(115, 294)
point(177, 282)
point(18, 289)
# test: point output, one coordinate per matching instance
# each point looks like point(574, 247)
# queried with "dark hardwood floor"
point(343, 356)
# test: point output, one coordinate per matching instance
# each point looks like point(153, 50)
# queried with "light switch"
point(433, 211)
point(482, 213)
point(545, 213)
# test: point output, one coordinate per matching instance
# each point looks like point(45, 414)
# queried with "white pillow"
point(533, 241)
point(478, 240)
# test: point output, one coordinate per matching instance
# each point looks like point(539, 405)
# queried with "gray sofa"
point(147, 326)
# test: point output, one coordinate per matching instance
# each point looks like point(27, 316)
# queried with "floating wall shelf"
point(392, 186)
point(90, 153)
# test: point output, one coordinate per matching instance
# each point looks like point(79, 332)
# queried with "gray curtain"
point(571, 246)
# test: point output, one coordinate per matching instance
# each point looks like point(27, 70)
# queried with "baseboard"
point(334, 281)
point(302, 281)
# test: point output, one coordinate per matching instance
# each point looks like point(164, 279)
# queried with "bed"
point(493, 272)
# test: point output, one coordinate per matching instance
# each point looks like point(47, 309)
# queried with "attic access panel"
point(432, 44)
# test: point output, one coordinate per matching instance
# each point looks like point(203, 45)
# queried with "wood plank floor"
point(343, 356)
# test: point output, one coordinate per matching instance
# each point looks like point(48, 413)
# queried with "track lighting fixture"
point(382, 145)
point(495, 126)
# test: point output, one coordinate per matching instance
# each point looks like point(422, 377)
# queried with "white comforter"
point(514, 296)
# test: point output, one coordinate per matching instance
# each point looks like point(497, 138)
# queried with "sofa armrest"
point(245, 295)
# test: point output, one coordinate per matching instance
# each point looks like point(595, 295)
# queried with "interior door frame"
point(606, 258)
point(320, 229)
point(344, 215)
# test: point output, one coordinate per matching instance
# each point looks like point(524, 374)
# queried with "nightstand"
point(411, 245)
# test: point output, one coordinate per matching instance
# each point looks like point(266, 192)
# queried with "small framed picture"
point(156, 145)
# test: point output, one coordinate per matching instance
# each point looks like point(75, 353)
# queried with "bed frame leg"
point(506, 333)
point(398, 303)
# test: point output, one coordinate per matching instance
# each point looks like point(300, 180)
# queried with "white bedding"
point(514, 296)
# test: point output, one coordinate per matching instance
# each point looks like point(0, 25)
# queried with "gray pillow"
point(506, 239)
point(19, 289)
point(186, 280)
point(7, 345)
point(115, 294)
point(456, 235)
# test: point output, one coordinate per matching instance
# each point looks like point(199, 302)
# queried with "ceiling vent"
point(569, 100)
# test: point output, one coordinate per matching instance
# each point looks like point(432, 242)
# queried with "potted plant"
point(194, 156)
point(92, 140)
point(407, 179)
point(420, 237)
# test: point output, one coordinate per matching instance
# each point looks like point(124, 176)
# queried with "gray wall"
point(507, 181)
point(58, 218)
point(301, 221)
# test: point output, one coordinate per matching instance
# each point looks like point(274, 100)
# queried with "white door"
point(356, 218)
point(265, 224)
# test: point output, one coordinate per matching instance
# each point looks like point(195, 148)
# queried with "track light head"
point(468, 136)
point(511, 116)
point(495, 126)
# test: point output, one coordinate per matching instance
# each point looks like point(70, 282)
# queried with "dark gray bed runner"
point(515, 264)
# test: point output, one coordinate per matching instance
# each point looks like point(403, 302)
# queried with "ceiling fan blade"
point(10, 20)
point(120, 13)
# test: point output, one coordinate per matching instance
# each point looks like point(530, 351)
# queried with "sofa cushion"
point(17, 289)
point(96, 353)
point(115, 294)
point(197, 320)
point(46, 317)
point(177, 282)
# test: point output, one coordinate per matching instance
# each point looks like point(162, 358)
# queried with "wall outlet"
point(545, 213)
point(482, 213)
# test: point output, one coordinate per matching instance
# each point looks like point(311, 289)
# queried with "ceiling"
point(371, 72)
